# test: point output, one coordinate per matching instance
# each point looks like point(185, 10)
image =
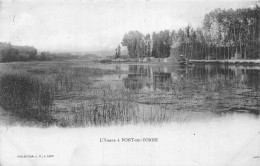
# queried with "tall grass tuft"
point(26, 96)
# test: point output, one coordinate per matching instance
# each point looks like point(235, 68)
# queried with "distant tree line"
point(10, 53)
point(225, 34)
point(140, 46)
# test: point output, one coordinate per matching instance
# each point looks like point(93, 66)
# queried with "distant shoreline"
point(224, 61)
point(230, 61)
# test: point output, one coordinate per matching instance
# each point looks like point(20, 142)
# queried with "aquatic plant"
point(26, 97)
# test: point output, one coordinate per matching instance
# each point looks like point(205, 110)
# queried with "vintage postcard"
point(129, 82)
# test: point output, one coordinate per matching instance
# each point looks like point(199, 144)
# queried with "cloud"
point(93, 24)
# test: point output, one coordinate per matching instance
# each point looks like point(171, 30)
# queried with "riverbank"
point(230, 61)
point(170, 61)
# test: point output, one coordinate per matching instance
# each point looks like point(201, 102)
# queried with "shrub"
point(105, 61)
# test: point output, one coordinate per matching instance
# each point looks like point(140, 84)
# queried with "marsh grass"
point(117, 113)
point(68, 78)
point(116, 107)
point(30, 90)
point(26, 97)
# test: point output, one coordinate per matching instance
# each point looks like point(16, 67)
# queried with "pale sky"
point(95, 25)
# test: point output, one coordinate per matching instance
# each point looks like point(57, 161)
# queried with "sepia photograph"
point(129, 82)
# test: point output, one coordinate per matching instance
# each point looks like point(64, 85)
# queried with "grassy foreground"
point(26, 97)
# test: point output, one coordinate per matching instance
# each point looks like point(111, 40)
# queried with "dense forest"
point(225, 34)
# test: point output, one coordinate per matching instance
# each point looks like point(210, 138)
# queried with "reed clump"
point(26, 97)
point(116, 107)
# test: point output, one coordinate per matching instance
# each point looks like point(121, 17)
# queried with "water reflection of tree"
point(224, 76)
point(228, 87)
point(162, 81)
point(209, 87)
point(141, 77)
point(136, 77)
point(133, 82)
point(253, 78)
point(241, 76)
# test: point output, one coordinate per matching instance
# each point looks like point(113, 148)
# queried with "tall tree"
point(118, 51)
point(134, 42)
point(147, 45)
point(116, 54)
point(161, 44)
point(155, 52)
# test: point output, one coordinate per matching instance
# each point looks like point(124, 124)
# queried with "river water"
point(217, 88)
point(214, 120)
point(180, 93)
